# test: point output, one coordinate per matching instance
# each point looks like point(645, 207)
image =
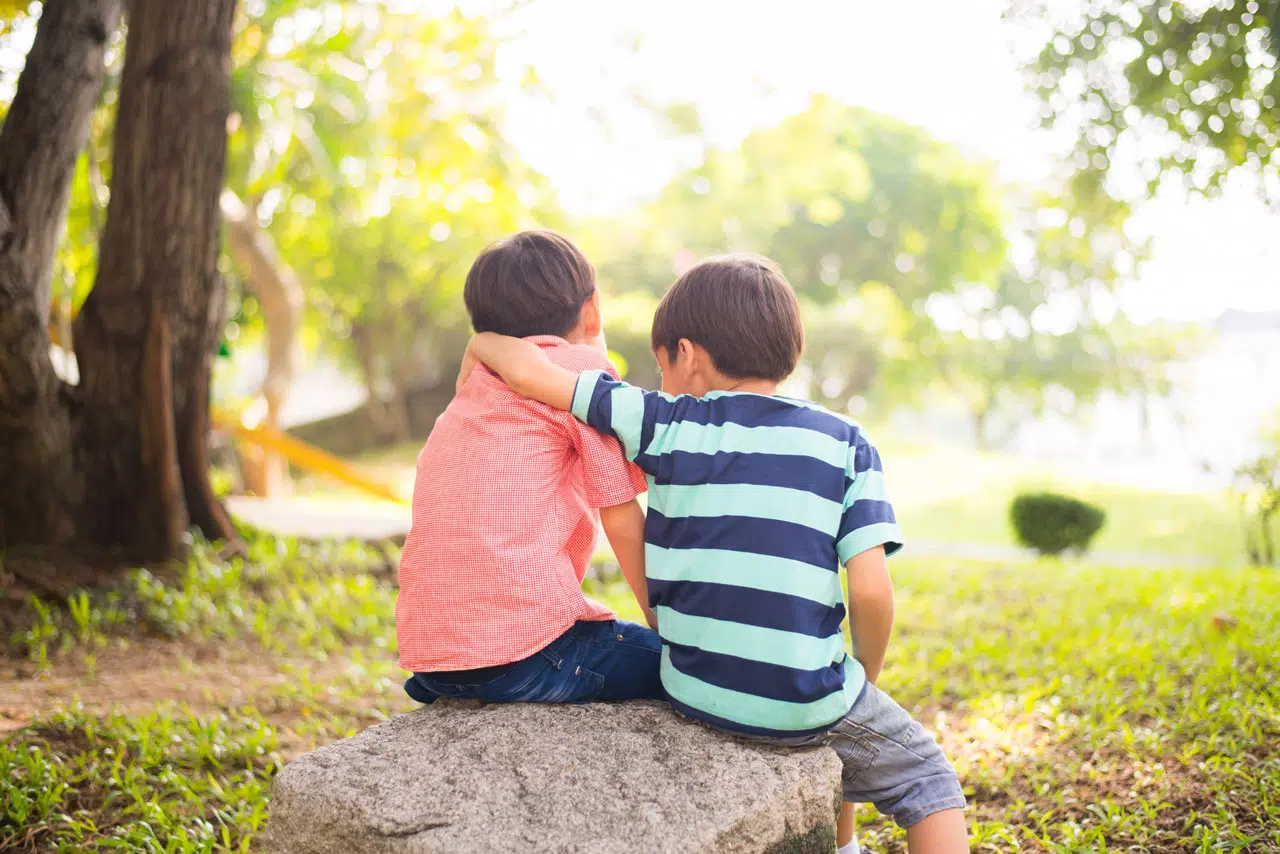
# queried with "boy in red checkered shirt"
point(506, 504)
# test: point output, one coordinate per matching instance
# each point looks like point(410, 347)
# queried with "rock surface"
point(455, 778)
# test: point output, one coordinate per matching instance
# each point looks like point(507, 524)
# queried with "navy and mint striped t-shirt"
point(754, 504)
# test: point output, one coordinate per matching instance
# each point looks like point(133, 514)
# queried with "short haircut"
point(531, 283)
point(741, 309)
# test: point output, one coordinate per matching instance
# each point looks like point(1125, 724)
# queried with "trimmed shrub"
point(1051, 523)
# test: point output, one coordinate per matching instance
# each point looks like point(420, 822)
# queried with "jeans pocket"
point(858, 755)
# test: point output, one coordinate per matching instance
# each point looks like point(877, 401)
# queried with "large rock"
point(455, 778)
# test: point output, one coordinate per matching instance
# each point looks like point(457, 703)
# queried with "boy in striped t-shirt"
point(755, 501)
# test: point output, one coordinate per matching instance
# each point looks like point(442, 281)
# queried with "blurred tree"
point(1171, 88)
point(916, 270)
point(1257, 491)
point(368, 150)
point(1049, 334)
point(365, 170)
point(1256, 487)
point(867, 216)
point(118, 460)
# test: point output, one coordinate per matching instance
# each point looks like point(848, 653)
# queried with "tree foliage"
point(917, 270)
point(368, 145)
point(1186, 89)
point(365, 141)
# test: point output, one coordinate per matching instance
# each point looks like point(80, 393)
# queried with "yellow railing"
point(305, 456)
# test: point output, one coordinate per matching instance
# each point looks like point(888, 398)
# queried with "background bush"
point(1051, 523)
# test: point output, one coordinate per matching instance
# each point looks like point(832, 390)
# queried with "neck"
point(581, 335)
point(750, 385)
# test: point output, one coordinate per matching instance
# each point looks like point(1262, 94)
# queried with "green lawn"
point(947, 494)
point(1086, 709)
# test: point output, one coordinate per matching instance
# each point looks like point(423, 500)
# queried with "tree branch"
point(276, 286)
point(45, 130)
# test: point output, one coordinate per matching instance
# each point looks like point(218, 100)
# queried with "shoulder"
point(580, 357)
point(816, 411)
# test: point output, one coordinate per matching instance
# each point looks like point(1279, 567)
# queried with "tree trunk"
point(44, 132)
point(389, 418)
point(159, 248)
point(121, 461)
point(981, 426)
point(276, 286)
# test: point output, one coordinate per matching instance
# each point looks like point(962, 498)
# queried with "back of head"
point(531, 283)
point(741, 310)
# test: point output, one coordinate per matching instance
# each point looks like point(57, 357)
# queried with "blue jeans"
point(593, 661)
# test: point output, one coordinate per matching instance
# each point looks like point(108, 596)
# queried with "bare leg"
point(844, 825)
point(941, 833)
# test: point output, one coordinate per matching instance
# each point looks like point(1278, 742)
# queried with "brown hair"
point(531, 283)
point(741, 309)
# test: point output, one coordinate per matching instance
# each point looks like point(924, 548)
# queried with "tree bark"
point(389, 418)
point(120, 461)
point(276, 286)
point(44, 132)
point(159, 246)
point(981, 426)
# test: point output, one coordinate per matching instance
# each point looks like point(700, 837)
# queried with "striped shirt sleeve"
point(868, 519)
point(614, 408)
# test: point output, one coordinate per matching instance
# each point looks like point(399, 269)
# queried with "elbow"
point(872, 597)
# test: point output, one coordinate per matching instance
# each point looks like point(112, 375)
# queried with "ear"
point(689, 355)
point(592, 319)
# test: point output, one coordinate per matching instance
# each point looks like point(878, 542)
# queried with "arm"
point(523, 366)
point(624, 526)
point(870, 609)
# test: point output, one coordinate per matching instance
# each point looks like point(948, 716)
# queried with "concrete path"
point(312, 519)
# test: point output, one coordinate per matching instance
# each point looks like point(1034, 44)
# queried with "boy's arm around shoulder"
point(523, 366)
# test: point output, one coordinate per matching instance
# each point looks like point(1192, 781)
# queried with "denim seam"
point(933, 760)
point(598, 682)
point(615, 643)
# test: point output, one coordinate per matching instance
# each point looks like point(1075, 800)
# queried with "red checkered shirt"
point(504, 524)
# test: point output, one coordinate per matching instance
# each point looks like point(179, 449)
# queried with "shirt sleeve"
point(608, 476)
point(614, 408)
point(868, 519)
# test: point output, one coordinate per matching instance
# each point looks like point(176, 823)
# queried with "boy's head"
point(727, 320)
point(533, 283)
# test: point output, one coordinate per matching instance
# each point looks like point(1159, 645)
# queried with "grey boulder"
point(455, 778)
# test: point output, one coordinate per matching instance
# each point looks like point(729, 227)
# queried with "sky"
point(950, 66)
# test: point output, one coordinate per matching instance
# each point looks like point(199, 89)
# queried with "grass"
point(1086, 709)
point(950, 494)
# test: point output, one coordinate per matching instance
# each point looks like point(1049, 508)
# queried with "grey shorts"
point(889, 759)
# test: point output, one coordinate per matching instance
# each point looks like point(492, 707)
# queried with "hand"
point(469, 362)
